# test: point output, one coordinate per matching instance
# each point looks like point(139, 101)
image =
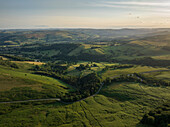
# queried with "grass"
point(161, 75)
point(136, 69)
point(29, 62)
point(162, 57)
point(3, 58)
point(73, 72)
point(135, 49)
point(117, 105)
point(87, 48)
point(108, 73)
point(7, 82)
point(14, 78)
point(164, 75)
point(76, 51)
point(100, 51)
point(16, 84)
point(128, 90)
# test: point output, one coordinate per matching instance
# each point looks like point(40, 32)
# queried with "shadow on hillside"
point(119, 96)
point(142, 125)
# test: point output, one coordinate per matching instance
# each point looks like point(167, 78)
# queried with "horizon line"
point(83, 28)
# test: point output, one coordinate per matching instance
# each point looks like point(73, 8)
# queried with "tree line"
point(8, 63)
point(85, 86)
point(140, 78)
point(160, 117)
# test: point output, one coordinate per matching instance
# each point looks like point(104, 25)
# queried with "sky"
point(107, 14)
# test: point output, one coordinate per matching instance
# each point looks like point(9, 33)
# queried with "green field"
point(96, 78)
point(17, 84)
point(135, 69)
point(117, 105)
point(32, 77)
point(161, 75)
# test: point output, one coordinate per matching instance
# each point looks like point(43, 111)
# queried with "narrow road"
point(58, 99)
point(86, 97)
point(51, 99)
point(32, 100)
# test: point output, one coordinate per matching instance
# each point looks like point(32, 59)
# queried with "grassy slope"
point(161, 75)
point(138, 48)
point(117, 105)
point(87, 48)
point(74, 72)
point(136, 69)
point(153, 45)
point(110, 72)
point(17, 78)
point(162, 57)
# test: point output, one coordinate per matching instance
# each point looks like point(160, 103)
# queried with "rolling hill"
point(84, 78)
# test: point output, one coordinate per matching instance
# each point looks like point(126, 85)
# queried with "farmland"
point(81, 77)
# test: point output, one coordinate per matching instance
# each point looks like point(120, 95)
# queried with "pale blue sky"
point(84, 13)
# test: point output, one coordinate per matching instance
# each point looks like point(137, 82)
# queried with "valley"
point(85, 78)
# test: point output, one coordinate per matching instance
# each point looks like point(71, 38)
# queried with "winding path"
point(32, 100)
point(51, 99)
point(58, 99)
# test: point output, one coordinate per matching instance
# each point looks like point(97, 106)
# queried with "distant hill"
point(17, 37)
point(87, 44)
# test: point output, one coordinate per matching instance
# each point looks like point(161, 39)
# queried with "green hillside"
point(122, 104)
point(118, 104)
point(154, 45)
point(84, 78)
point(22, 84)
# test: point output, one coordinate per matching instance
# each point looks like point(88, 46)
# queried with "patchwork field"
point(161, 75)
point(135, 69)
point(29, 62)
point(84, 78)
point(163, 57)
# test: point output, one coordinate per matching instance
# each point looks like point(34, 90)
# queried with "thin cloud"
point(141, 4)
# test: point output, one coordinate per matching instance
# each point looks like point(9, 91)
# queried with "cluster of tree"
point(148, 61)
point(122, 78)
point(118, 67)
point(94, 57)
point(152, 80)
point(67, 79)
point(16, 58)
point(83, 57)
point(85, 86)
point(95, 47)
point(166, 48)
point(83, 67)
point(8, 63)
point(37, 52)
point(51, 67)
point(160, 117)
point(8, 38)
point(138, 78)
point(63, 48)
